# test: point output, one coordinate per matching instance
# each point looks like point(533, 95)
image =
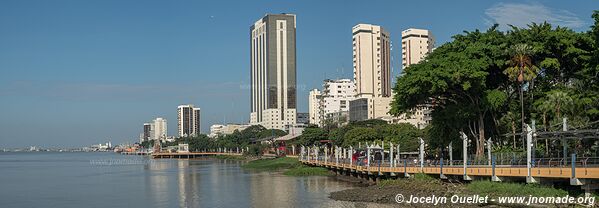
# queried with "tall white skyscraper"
point(188, 120)
point(415, 45)
point(273, 71)
point(371, 60)
point(159, 130)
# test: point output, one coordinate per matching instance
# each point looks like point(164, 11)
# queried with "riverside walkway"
point(497, 173)
point(578, 173)
point(376, 161)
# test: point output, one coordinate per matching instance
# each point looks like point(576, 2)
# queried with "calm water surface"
point(44, 179)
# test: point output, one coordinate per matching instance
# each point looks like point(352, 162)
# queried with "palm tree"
point(545, 107)
point(521, 69)
point(559, 101)
point(511, 119)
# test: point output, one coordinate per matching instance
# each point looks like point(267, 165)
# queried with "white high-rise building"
point(188, 120)
point(336, 97)
point(159, 129)
point(314, 109)
point(415, 45)
point(273, 71)
point(371, 60)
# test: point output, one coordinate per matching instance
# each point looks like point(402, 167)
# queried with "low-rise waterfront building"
point(217, 130)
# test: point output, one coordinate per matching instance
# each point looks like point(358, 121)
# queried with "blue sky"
point(78, 72)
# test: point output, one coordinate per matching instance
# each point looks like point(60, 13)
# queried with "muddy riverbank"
point(385, 192)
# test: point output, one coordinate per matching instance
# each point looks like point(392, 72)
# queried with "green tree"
point(360, 134)
point(310, 136)
point(559, 102)
point(460, 75)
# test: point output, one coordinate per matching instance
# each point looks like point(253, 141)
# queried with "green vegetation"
point(241, 139)
point(147, 144)
point(364, 131)
point(273, 164)
point(304, 170)
point(513, 189)
point(229, 157)
point(290, 166)
point(419, 178)
point(489, 83)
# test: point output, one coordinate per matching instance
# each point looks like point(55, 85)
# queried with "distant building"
point(336, 97)
point(314, 109)
point(359, 109)
point(147, 132)
point(338, 118)
point(420, 117)
point(188, 120)
point(273, 71)
point(370, 108)
point(159, 130)
point(415, 45)
point(218, 129)
point(303, 118)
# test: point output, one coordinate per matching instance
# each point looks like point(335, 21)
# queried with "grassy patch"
point(229, 157)
point(513, 189)
point(291, 166)
point(423, 177)
point(308, 171)
point(419, 178)
point(273, 164)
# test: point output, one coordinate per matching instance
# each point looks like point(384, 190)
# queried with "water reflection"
point(222, 183)
point(71, 180)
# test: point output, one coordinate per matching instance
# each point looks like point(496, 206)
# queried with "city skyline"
point(155, 59)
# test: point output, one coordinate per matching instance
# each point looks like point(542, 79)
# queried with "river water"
point(53, 179)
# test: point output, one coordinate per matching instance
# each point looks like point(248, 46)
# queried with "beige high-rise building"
point(371, 60)
point(372, 72)
point(188, 120)
point(314, 110)
point(415, 45)
point(273, 71)
point(159, 129)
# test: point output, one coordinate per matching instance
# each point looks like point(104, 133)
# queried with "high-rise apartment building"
point(159, 129)
point(147, 132)
point(273, 71)
point(314, 109)
point(371, 60)
point(372, 72)
point(415, 45)
point(336, 97)
point(188, 120)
